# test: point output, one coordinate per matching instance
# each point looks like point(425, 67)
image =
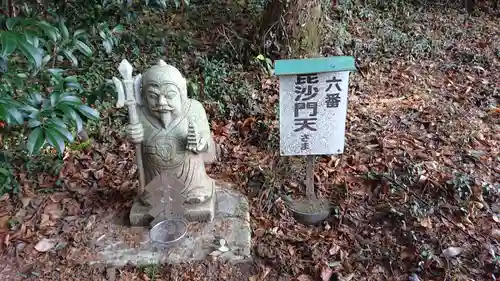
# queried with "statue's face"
point(164, 100)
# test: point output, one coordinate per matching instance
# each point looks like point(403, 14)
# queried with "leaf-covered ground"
point(417, 189)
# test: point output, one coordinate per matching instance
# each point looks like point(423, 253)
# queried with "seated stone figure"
point(175, 138)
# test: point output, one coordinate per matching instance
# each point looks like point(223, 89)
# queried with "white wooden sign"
point(313, 108)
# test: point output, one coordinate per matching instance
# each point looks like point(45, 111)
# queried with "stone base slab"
point(139, 214)
point(118, 245)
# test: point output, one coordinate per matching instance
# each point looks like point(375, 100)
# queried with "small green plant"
point(8, 182)
point(82, 145)
point(41, 164)
point(266, 64)
point(151, 271)
point(109, 36)
point(462, 185)
point(13, 223)
point(219, 83)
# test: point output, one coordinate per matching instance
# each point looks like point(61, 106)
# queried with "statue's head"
point(164, 91)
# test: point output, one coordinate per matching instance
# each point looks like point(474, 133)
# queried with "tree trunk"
point(469, 5)
point(291, 28)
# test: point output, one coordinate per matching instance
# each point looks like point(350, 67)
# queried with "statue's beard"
point(166, 118)
point(166, 113)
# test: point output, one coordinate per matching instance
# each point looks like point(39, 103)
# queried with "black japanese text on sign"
point(306, 106)
point(332, 98)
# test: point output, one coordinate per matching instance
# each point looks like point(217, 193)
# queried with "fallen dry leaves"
point(424, 120)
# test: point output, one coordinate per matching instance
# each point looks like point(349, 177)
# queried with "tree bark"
point(12, 11)
point(292, 28)
point(469, 5)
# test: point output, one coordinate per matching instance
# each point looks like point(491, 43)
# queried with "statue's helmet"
point(163, 73)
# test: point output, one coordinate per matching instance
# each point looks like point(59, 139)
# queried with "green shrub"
point(35, 95)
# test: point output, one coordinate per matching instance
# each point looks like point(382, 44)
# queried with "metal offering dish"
point(168, 232)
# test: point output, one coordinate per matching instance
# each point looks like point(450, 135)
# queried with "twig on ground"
point(348, 203)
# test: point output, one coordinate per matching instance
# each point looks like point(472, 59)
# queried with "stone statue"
point(175, 136)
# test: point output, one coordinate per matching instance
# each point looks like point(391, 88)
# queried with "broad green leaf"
point(78, 121)
point(46, 59)
point(35, 99)
point(54, 98)
point(12, 22)
point(55, 71)
point(108, 45)
point(74, 85)
point(4, 171)
point(3, 113)
point(36, 139)
point(47, 108)
point(15, 114)
point(69, 55)
point(34, 123)
point(63, 131)
point(50, 30)
point(103, 34)
point(83, 48)
point(32, 38)
point(186, 2)
point(72, 79)
point(70, 99)
point(72, 82)
point(3, 103)
point(88, 112)
point(57, 122)
point(114, 40)
point(9, 43)
point(118, 29)
point(79, 33)
point(57, 79)
point(74, 116)
point(63, 29)
point(35, 115)
point(55, 139)
point(30, 109)
point(32, 53)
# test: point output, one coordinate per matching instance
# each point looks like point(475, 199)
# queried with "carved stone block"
point(115, 245)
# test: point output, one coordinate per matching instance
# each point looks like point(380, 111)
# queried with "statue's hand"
point(135, 132)
point(202, 145)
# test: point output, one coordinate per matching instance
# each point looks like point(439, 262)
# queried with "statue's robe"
point(164, 149)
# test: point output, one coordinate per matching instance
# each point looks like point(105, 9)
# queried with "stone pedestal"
point(118, 245)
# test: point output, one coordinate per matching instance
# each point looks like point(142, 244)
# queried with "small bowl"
point(168, 232)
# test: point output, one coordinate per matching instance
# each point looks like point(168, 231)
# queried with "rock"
point(45, 245)
point(451, 252)
point(495, 233)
